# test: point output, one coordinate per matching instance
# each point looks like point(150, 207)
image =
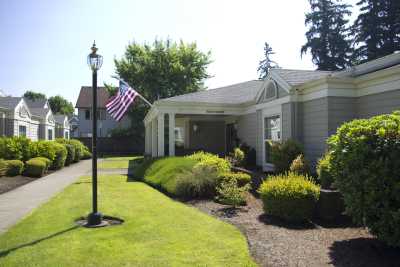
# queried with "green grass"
point(158, 231)
point(162, 173)
point(118, 162)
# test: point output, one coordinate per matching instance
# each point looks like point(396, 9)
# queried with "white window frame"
point(272, 111)
point(19, 130)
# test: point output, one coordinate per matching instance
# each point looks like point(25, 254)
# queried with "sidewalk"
point(16, 204)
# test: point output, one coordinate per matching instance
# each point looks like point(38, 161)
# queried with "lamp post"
point(94, 61)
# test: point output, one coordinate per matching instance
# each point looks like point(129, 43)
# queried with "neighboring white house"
point(74, 123)
point(304, 105)
point(40, 110)
point(62, 126)
point(105, 122)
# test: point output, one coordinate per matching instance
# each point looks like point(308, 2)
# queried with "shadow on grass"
point(4, 253)
point(363, 252)
point(272, 220)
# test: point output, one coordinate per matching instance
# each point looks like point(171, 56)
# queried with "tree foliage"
point(34, 95)
point(377, 29)
point(267, 63)
point(159, 70)
point(60, 105)
point(328, 34)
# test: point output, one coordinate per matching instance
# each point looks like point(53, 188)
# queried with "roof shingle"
point(9, 102)
point(233, 94)
point(297, 77)
point(85, 97)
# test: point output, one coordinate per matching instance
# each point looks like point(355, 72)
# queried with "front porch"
point(179, 134)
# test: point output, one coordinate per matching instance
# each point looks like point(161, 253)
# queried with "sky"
point(44, 44)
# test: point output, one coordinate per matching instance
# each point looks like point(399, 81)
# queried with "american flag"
point(118, 105)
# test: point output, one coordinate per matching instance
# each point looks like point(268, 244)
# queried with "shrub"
point(198, 183)
point(78, 145)
point(70, 154)
point(325, 175)
point(207, 159)
point(14, 167)
point(45, 160)
point(230, 193)
point(15, 148)
point(61, 155)
point(249, 155)
point(289, 196)
point(240, 178)
point(300, 165)
point(365, 163)
point(86, 154)
point(283, 153)
point(35, 167)
point(238, 157)
point(3, 167)
point(162, 173)
point(45, 149)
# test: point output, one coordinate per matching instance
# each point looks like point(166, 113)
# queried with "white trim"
point(284, 84)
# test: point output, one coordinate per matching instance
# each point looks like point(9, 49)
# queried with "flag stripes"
point(118, 105)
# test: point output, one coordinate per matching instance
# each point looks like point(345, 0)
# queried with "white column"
point(154, 138)
point(171, 128)
point(160, 133)
point(146, 139)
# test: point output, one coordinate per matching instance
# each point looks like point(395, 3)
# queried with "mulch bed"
point(275, 243)
point(10, 183)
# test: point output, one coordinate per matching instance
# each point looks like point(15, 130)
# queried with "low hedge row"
point(14, 151)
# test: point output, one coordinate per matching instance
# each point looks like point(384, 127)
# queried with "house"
point(74, 123)
point(40, 110)
point(105, 122)
point(62, 129)
point(16, 119)
point(304, 105)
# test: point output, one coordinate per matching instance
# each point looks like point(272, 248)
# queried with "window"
point(50, 134)
point(272, 132)
point(87, 114)
point(179, 136)
point(66, 135)
point(22, 130)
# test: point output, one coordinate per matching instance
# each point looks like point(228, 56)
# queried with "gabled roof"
point(297, 77)
point(9, 102)
point(85, 97)
point(38, 103)
point(233, 94)
point(39, 112)
point(60, 118)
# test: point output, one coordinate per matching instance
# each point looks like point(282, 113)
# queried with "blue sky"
point(44, 44)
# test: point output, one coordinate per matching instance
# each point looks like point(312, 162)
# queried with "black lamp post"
point(94, 61)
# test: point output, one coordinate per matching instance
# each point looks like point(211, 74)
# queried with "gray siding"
point(287, 121)
point(341, 109)
point(314, 120)
point(376, 104)
point(246, 130)
point(209, 137)
point(10, 127)
point(259, 135)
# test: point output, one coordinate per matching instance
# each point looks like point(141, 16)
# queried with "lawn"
point(158, 231)
point(118, 162)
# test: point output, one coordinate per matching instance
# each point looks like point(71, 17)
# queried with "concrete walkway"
point(17, 203)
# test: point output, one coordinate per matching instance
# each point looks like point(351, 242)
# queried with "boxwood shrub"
point(14, 167)
point(61, 155)
point(70, 154)
point(42, 148)
point(15, 148)
point(46, 160)
point(289, 196)
point(365, 162)
point(35, 167)
point(324, 172)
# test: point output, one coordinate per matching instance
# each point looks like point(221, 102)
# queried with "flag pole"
point(142, 97)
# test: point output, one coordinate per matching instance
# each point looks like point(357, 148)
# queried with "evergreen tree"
point(377, 29)
point(328, 34)
point(266, 64)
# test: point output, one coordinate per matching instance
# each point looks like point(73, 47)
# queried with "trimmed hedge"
point(86, 154)
point(61, 155)
point(365, 162)
point(35, 167)
point(70, 154)
point(15, 148)
point(3, 167)
point(289, 196)
point(14, 167)
point(46, 160)
point(207, 159)
point(79, 147)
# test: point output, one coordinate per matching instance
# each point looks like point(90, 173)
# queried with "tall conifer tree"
point(328, 34)
point(376, 29)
